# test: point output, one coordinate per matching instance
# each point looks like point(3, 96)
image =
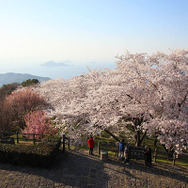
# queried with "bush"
point(41, 155)
point(30, 82)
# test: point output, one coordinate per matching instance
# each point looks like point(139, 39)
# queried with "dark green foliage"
point(41, 155)
point(7, 89)
point(29, 82)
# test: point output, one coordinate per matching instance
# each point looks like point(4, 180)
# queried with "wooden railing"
point(164, 155)
point(33, 135)
point(7, 137)
point(65, 141)
point(169, 156)
point(138, 152)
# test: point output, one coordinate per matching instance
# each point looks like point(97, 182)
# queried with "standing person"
point(148, 158)
point(90, 142)
point(121, 149)
point(127, 154)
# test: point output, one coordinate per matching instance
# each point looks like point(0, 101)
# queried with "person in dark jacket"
point(121, 149)
point(91, 145)
point(127, 154)
point(148, 157)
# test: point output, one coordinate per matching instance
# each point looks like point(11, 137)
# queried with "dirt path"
point(78, 169)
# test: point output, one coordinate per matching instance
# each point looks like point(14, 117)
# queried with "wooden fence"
point(6, 135)
point(65, 141)
point(138, 152)
point(169, 156)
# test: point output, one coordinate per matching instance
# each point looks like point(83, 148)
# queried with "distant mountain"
point(11, 77)
point(54, 64)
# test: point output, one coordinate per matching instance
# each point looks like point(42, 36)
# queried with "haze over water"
point(55, 72)
point(37, 31)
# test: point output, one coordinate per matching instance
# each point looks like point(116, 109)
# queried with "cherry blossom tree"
point(1, 123)
point(19, 103)
point(37, 122)
point(162, 89)
point(150, 92)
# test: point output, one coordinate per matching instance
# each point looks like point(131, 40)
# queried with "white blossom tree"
point(148, 91)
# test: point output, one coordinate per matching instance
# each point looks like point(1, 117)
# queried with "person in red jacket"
point(91, 145)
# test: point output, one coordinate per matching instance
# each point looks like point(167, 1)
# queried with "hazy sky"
point(83, 31)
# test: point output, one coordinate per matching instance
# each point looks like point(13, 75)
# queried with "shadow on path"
point(72, 169)
point(179, 173)
point(78, 169)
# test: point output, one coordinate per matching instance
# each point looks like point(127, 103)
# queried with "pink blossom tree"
point(19, 103)
point(150, 92)
point(38, 123)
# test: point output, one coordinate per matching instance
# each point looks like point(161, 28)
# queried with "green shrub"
point(41, 155)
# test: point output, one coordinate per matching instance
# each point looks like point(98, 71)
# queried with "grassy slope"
point(147, 142)
point(107, 138)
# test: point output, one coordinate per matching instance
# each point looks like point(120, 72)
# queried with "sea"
point(55, 72)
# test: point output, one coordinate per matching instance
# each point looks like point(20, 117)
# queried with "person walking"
point(127, 154)
point(90, 142)
point(121, 149)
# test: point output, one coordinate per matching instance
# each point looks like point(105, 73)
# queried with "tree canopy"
point(30, 82)
point(149, 91)
point(16, 105)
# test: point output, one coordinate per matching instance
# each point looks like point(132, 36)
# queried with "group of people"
point(124, 153)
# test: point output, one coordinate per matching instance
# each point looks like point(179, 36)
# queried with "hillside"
point(11, 77)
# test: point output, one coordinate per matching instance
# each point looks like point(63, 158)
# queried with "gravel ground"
point(79, 170)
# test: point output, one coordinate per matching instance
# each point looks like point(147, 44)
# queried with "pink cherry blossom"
point(148, 91)
point(38, 123)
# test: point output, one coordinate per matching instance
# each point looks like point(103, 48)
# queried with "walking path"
point(80, 170)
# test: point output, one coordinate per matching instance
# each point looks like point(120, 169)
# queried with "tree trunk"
point(111, 134)
point(143, 136)
point(155, 141)
point(138, 139)
point(138, 143)
point(117, 139)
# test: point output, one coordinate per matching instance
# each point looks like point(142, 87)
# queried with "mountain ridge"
point(11, 77)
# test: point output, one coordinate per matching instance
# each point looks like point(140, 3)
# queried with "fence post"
point(155, 155)
point(69, 143)
point(99, 150)
point(17, 137)
point(34, 138)
point(63, 143)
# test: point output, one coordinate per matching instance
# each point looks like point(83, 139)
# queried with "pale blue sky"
point(83, 31)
